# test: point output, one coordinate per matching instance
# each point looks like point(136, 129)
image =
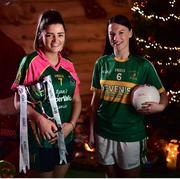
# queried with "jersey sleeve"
point(21, 73)
point(153, 78)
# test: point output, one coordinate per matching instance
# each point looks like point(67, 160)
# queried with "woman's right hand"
point(47, 127)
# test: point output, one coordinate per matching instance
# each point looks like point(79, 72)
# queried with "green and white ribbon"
point(24, 145)
point(57, 118)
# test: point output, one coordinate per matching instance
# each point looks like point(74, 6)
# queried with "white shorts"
point(127, 155)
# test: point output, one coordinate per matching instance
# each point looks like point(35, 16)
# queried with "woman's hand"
point(67, 128)
point(151, 108)
point(47, 127)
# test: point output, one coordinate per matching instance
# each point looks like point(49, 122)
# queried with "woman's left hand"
point(151, 108)
point(67, 127)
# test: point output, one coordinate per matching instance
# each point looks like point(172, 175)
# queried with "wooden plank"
point(80, 45)
point(85, 58)
point(66, 8)
point(86, 31)
point(84, 68)
point(113, 9)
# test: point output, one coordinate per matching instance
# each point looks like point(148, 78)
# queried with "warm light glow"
point(87, 148)
point(172, 152)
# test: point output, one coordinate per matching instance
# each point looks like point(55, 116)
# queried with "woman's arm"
point(69, 126)
point(163, 101)
point(76, 109)
point(94, 106)
point(7, 106)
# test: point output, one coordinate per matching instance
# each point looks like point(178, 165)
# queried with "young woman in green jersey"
point(42, 132)
point(116, 128)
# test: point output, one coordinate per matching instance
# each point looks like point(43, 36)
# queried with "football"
point(144, 93)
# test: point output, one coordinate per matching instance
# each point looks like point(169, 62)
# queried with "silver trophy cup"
point(36, 94)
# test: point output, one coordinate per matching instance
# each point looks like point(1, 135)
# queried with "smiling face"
point(119, 36)
point(53, 38)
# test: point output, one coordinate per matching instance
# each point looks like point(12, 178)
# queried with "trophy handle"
point(44, 113)
point(42, 109)
point(32, 104)
point(27, 89)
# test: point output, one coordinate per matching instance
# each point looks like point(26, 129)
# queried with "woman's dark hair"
point(122, 20)
point(47, 18)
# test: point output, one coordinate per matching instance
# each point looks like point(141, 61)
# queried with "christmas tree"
point(156, 24)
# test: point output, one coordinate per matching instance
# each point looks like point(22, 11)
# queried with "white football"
point(144, 93)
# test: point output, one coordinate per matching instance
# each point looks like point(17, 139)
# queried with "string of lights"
point(172, 57)
point(157, 45)
point(136, 8)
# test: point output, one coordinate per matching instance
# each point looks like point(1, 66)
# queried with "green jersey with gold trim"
point(116, 117)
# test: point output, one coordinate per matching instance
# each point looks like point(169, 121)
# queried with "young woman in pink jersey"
point(116, 129)
point(47, 60)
